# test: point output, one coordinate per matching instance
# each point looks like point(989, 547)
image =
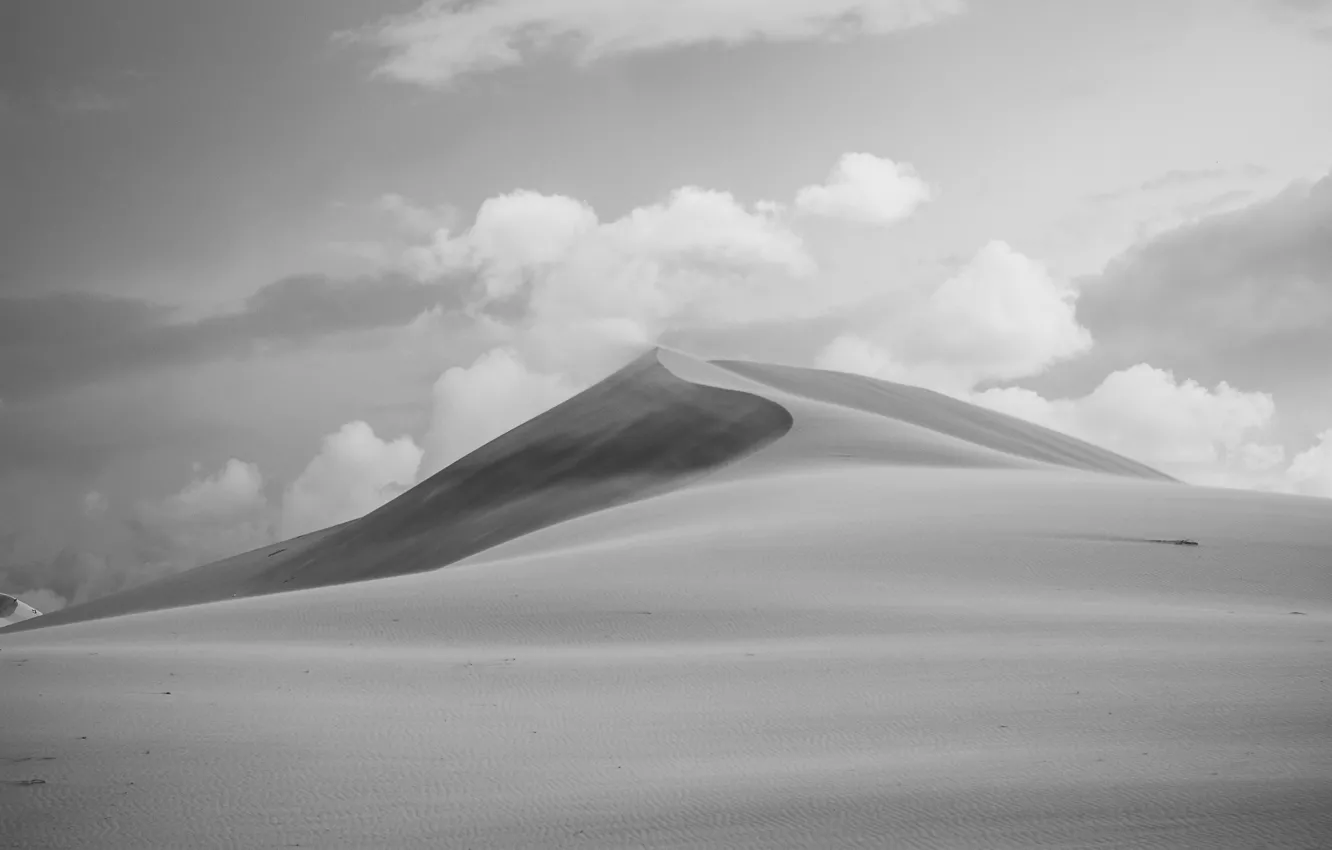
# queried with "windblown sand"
point(894, 624)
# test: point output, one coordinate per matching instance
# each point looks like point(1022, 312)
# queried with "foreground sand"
point(869, 633)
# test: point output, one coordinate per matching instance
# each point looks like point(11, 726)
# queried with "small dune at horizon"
point(712, 605)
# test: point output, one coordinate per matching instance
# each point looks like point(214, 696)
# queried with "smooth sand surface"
point(879, 629)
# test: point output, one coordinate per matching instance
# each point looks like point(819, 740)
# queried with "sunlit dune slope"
point(942, 416)
point(637, 432)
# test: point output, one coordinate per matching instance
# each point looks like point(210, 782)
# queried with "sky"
point(264, 266)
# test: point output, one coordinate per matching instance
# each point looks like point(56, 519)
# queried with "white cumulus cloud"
point(236, 488)
point(569, 296)
point(594, 293)
point(472, 405)
point(1310, 471)
point(866, 189)
point(518, 234)
point(1001, 317)
point(354, 473)
point(1203, 435)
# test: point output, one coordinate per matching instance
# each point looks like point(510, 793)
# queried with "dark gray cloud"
point(1252, 283)
point(57, 341)
point(1243, 296)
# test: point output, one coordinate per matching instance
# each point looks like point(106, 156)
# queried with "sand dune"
point(792, 609)
point(639, 432)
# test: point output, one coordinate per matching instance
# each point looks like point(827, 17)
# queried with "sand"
point(895, 623)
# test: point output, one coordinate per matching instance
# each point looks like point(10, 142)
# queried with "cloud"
point(1001, 317)
point(58, 579)
point(95, 504)
point(212, 517)
point(699, 254)
point(473, 405)
point(354, 473)
point(553, 297)
point(572, 296)
point(1223, 202)
point(414, 218)
point(75, 575)
point(513, 235)
point(69, 339)
point(865, 189)
point(1149, 415)
point(1183, 177)
point(445, 39)
point(1245, 293)
point(1217, 436)
point(1183, 181)
point(235, 488)
point(1311, 470)
point(46, 601)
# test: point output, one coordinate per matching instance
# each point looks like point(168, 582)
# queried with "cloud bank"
point(72, 339)
point(573, 296)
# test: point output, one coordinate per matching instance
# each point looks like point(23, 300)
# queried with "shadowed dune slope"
point(635, 433)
